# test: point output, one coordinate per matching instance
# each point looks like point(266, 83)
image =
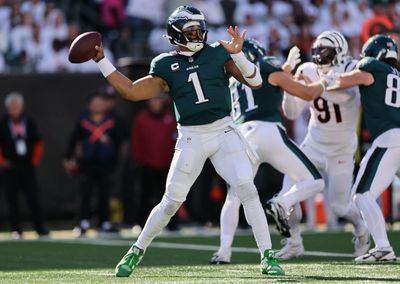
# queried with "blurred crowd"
point(35, 34)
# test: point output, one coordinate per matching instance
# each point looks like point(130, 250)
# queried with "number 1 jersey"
point(199, 85)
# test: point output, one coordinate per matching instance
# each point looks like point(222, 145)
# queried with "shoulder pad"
point(309, 69)
point(272, 60)
point(350, 65)
point(371, 64)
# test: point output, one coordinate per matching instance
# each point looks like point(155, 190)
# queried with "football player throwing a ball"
point(196, 76)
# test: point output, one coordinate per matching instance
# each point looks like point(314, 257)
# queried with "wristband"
point(244, 65)
point(256, 80)
point(106, 67)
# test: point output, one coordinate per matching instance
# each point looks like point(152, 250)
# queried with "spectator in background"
point(113, 13)
point(21, 150)
point(153, 140)
point(143, 16)
point(35, 8)
point(92, 152)
point(2, 63)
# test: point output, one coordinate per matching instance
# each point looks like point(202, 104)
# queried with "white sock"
point(157, 220)
point(255, 215)
point(299, 192)
point(333, 223)
point(228, 222)
point(310, 209)
point(373, 217)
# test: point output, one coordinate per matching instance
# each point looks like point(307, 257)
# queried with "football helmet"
point(253, 49)
point(330, 48)
point(380, 47)
point(180, 28)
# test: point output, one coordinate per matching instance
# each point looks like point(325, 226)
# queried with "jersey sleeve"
point(370, 65)
point(223, 54)
point(157, 66)
point(270, 64)
point(308, 69)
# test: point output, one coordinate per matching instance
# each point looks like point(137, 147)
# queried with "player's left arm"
point(240, 67)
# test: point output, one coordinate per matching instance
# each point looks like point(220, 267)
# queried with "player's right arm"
point(144, 88)
point(355, 78)
point(362, 75)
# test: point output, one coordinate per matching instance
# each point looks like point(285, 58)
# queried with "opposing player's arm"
point(295, 88)
point(142, 89)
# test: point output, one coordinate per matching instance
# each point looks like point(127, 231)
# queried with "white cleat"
point(361, 244)
point(377, 255)
point(291, 250)
point(220, 259)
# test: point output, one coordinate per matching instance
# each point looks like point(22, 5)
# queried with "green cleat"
point(128, 263)
point(269, 264)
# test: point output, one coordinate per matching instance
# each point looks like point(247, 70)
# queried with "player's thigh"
point(340, 178)
point(232, 162)
point(186, 165)
point(289, 159)
point(377, 170)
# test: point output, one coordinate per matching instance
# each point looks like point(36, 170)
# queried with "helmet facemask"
point(324, 55)
point(329, 49)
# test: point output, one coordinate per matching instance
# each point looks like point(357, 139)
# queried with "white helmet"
point(330, 48)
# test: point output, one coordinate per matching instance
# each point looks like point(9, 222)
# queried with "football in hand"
point(83, 48)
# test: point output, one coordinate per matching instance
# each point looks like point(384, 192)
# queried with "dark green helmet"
point(182, 19)
point(380, 47)
point(253, 49)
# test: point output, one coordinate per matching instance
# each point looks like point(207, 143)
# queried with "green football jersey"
point(261, 104)
point(198, 85)
point(381, 100)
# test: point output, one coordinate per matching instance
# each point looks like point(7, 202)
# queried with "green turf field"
point(185, 260)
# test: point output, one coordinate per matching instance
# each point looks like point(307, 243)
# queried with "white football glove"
point(294, 57)
point(331, 79)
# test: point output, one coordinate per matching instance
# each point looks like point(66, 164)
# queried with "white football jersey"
point(334, 115)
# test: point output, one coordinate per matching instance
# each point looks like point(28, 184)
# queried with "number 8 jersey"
point(334, 115)
point(381, 100)
point(199, 85)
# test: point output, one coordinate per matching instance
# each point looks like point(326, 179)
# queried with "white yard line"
point(168, 245)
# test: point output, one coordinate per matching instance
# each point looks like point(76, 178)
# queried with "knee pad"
point(170, 206)
point(246, 191)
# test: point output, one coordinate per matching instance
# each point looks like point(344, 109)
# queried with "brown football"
point(82, 48)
